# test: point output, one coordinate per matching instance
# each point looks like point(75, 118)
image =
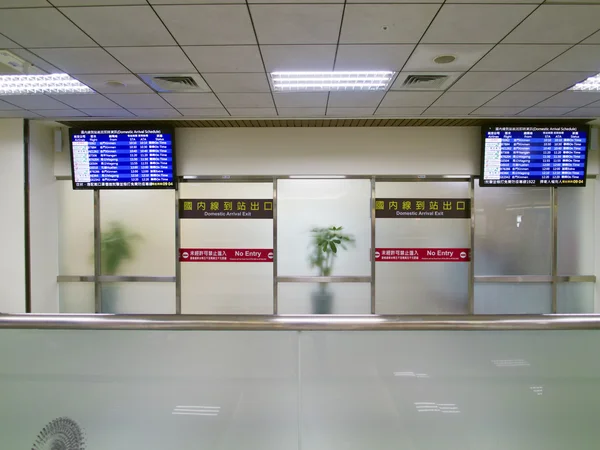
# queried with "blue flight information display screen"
point(534, 155)
point(122, 159)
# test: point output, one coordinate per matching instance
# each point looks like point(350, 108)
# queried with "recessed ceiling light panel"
point(330, 81)
point(592, 84)
point(58, 83)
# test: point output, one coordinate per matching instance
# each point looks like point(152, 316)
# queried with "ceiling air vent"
point(176, 82)
point(428, 82)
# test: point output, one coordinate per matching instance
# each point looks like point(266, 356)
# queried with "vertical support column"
point(177, 262)
point(554, 247)
point(373, 265)
point(27, 215)
point(97, 253)
point(472, 245)
point(275, 286)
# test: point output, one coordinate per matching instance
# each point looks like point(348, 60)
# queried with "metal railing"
point(297, 323)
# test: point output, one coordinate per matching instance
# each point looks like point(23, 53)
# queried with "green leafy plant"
point(325, 245)
point(117, 244)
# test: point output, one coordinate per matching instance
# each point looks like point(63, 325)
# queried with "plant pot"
point(110, 298)
point(322, 300)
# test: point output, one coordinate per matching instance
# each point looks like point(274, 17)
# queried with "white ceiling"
point(513, 58)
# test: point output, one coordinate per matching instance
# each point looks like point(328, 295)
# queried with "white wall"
point(43, 197)
point(12, 235)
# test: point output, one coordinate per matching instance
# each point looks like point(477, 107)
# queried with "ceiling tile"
point(204, 112)
point(545, 112)
point(298, 57)
point(297, 24)
point(557, 24)
point(6, 43)
point(139, 101)
point(585, 112)
point(196, 2)
point(34, 102)
point(198, 100)
point(97, 2)
point(496, 111)
point(23, 3)
point(121, 25)
point(409, 99)
point(519, 57)
point(570, 98)
point(372, 57)
point(237, 82)
point(410, 112)
point(387, 1)
point(519, 98)
point(467, 24)
point(220, 58)
point(294, 1)
point(35, 60)
point(550, 81)
point(252, 112)
point(42, 27)
point(464, 98)
point(208, 24)
point(487, 81)
point(85, 101)
point(579, 58)
point(466, 56)
point(352, 99)
point(301, 112)
point(5, 106)
point(593, 39)
point(153, 59)
point(19, 113)
point(462, 111)
point(131, 83)
point(350, 112)
point(80, 60)
point(302, 99)
point(60, 113)
point(109, 112)
point(253, 100)
point(533, 2)
point(156, 113)
point(386, 24)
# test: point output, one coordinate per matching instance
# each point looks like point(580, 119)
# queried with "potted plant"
point(116, 247)
point(325, 245)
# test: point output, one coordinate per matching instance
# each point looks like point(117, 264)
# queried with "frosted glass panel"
point(306, 204)
point(77, 298)
point(576, 235)
point(76, 230)
point(324, 298)
point(227, 287)
point(513, 231)
point(575, 298)
point(509, 298)
point(144, 221)
point(138, 298)
point(422, 287)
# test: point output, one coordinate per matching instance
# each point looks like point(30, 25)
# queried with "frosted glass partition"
point(76, 298)
point(145, 221)
point(513, 231)
point(324, 298)
point(138, 298)
point(575, 229)
point(575, 298)
point(306, 204)
point(226, 287)
point(513, 298)
point(285, 390)
point(75, 230)
point(422, 287)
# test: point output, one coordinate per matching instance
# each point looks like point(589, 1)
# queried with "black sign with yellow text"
point(225, 209)
point(424, 208)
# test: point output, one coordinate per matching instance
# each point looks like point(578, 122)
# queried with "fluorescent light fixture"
point(57, 83)
point(510, 363)
point(196, 411)
point(444, 408)
point(590, 84)
point(308, 177)
point(331, 81)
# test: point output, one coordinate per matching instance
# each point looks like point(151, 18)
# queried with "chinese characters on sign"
point(225, 209)
point(422, 254)
point(225, 255)
point(426, 208)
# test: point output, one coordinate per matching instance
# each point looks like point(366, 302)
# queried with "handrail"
point(297, 323)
